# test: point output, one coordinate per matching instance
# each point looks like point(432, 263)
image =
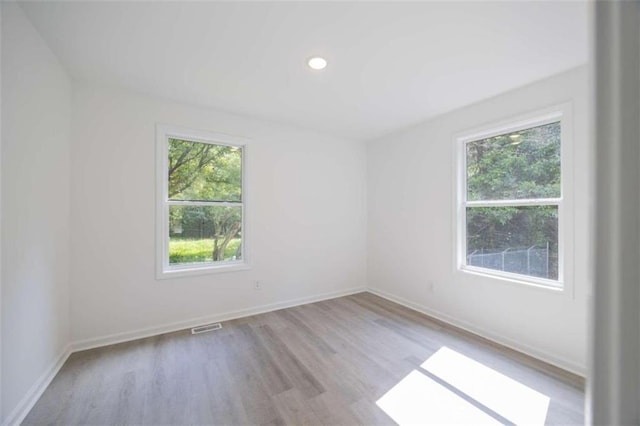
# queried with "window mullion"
point(514, 203)
point(205, 203)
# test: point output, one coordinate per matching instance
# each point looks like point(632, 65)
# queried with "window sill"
point(521, 280)
point(205, 269)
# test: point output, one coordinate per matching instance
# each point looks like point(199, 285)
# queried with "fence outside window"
point(532, 261)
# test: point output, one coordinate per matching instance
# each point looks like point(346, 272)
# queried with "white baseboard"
point(549, 358)
point(181, 325)
point(25, 405)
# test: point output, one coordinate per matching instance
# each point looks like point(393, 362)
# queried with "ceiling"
point(391, 64)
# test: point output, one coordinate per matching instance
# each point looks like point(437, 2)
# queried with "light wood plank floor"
point(322, 363)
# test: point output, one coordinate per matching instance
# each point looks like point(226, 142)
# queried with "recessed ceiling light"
point(317, 63)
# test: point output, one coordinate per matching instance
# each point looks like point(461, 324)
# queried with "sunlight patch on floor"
point(487, 395)
point(511, 399)
point(418, 399)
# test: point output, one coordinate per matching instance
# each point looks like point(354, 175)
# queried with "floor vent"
point(206, 328)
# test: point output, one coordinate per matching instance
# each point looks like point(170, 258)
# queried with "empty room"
point(338, 213)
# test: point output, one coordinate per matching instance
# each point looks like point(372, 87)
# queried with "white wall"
point(411, 230)
point(307, 217)
point(36, 100)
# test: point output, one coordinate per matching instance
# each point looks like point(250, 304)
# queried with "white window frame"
point(163, 269)
point(563, 114)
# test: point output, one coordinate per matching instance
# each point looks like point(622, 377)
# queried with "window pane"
point(517, 165)
point(204, 234)
point(521, 240)
point(204, 172)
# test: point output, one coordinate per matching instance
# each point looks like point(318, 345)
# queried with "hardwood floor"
point(323, 363)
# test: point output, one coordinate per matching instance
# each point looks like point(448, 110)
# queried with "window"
point(201, 202)
point(511, 205)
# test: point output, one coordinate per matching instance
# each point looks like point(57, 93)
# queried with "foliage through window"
point(512, 200)
point(202, 203)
